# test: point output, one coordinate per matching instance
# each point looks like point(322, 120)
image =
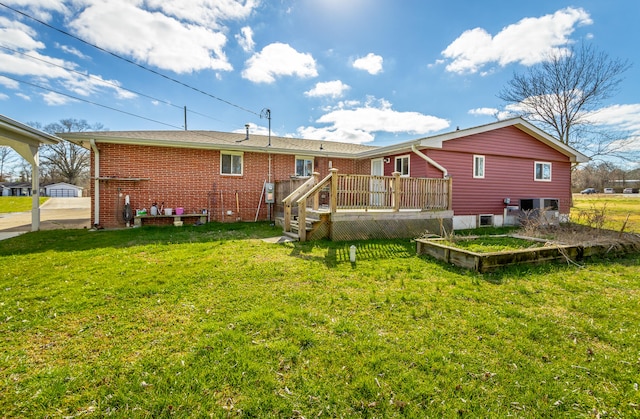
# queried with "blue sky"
point(372, 72)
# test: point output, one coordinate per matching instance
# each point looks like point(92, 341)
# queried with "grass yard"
point(492, 244)
point(17, 203)
point(615, 209)
point(211, 321)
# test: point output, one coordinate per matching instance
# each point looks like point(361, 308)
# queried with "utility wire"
point(199, 133)
point(116, 85)
point(91, 102)
point(128, 60)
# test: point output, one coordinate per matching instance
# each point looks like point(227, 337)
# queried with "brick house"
point(225, 173)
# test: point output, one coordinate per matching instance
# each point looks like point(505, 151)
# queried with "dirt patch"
point(577, 234)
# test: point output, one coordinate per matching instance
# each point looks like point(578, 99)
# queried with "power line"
point(105, 82)
point(88, 76)
point(128, 60)
point(91, 102)
point(199, 133)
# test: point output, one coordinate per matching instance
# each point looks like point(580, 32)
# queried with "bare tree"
point(563, 91)
point(7, 157)
point(602, 175)
point(66, 161)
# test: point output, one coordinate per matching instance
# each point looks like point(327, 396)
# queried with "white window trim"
point(295, 164)
point(535, 172)
point(232, 153)
point(477, 157)
point(395, 164)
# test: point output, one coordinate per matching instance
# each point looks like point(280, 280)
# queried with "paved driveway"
point(56, 213)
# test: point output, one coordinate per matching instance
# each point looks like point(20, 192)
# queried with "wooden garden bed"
point(441, 249)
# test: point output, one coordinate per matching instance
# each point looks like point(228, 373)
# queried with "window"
point(402, 165)
point(478, 167)
point(550, 204)
point(230, 163)
point(485, 220)
point(304, 166)
point(543, 171)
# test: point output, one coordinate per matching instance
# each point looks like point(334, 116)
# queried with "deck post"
point(333, 201)
point(287, 216)
point(450, 203)
point(302, 221)
point(316, 196)
point(396, 191)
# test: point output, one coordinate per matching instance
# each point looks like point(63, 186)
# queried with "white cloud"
point(255, 129)
point(8, 83)
point(276, 60)
point(17, 35)
point(484, 111)
point(207, 13)
point(151, 37)
point(528, 42)
point(87, 86)
point(345, 135)
point(72, 51)
point(55, 99)
point(23, 96)
point(623, 117)
point(40, 8)
point(245, 39)
point(333, 89)
point(3, 96)
point(371, 63)
point(508, 112)
point(359, 124)
point(36, 65)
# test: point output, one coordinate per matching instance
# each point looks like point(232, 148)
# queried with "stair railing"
point(314, 193)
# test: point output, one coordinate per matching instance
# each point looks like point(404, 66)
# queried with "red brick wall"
point(190, 178)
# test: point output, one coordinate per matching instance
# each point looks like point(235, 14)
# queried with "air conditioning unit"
point(544, 210)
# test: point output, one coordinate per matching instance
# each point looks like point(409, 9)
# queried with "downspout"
point(96, 182)
point(429, 160)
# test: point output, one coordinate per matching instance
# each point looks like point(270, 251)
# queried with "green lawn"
point(211, 321)
point(17, 203)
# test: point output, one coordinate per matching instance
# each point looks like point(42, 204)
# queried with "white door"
point(377, 185)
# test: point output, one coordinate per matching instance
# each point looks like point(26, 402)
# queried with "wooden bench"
point(137, 220)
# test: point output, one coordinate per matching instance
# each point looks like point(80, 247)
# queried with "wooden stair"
point(310, 226)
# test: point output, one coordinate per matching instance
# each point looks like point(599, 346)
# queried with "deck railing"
point(365, 193)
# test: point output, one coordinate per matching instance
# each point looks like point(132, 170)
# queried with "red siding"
point(510, 155)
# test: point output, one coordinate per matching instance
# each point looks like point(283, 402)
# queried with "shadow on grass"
point(79, 240)
point(332, 254)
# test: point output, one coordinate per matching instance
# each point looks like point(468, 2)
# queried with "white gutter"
point(430, 160)
point(96, 182)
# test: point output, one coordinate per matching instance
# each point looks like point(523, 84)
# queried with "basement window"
point(485, 220)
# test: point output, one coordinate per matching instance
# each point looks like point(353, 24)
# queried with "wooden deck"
point(355, 207)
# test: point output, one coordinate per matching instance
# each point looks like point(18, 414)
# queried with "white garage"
point(62, 190)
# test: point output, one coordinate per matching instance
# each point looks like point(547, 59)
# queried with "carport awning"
point(26, 140)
